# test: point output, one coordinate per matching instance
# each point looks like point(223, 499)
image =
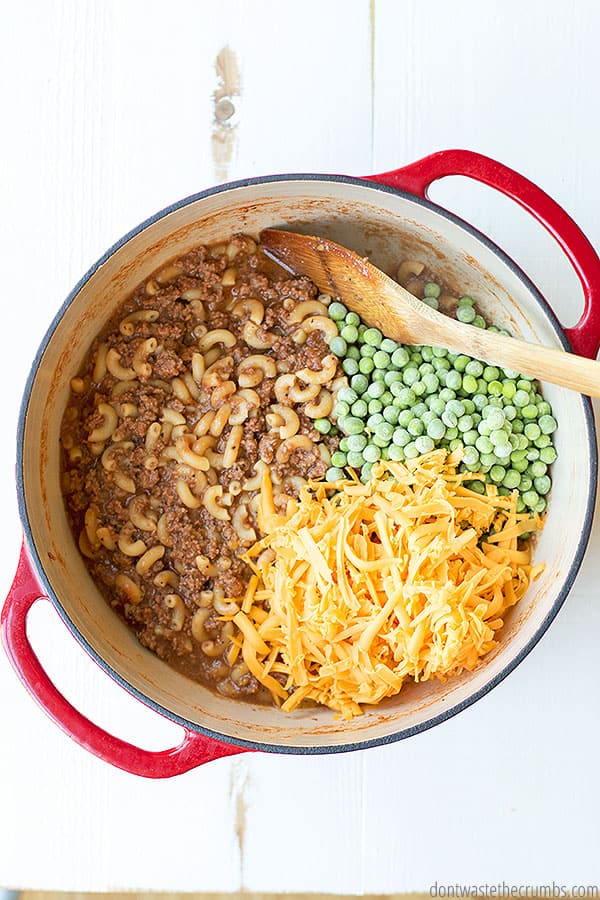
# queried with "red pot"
point(388, 216)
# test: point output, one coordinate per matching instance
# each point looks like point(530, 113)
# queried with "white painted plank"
point(110, 119)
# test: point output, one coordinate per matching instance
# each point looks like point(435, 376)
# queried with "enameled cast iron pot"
point(389, 217)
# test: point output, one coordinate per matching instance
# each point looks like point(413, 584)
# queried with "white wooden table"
point(107, 113)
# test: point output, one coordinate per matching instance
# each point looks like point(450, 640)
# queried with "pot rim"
point(403, 733)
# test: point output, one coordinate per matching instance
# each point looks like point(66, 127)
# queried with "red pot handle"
point(194, 750)
point(417, 177)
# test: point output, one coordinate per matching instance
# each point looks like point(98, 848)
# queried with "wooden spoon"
point(383, 303)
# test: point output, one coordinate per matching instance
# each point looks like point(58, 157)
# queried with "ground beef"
point(144, 486)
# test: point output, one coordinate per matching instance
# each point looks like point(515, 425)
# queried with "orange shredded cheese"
point(408, 576)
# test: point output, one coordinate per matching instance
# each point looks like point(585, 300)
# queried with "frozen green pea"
point(432, 289)
point(373, 337)
point(518, 426)
point(337, 311)
point(424, 443)
point(391, 414)
point(466, 314)
point(372, 453)
point(374, 420)
point(375, 406)
point(359, 383)
point(461, 362)
point(432, 302)
point(349, 333)
point(465, 423)
point(341, 409)
point(544, 440)
point(392, 377)
point(351, 425)
point(410, 375)
point(474, 367)
point(333, 474)
point(480, 400)
point(406, 396)
point(344, 444)
point(497, 474)
point(400, 357)
point(484, 427)
point(454, 444)
point(395, 453)
point(503, 451)
point(484, 444)
point(367, 352)
point(532, 431)
point(529, 411)
point(352, 318)
point(347, 395)
point(381, 359)
point(469, 384)
point(447, 394)
point(509, 389)
point(338, 346)
point(491, 373)
point(415, 427)
point(431, 383)
point(359, 409)
point(384, 430)
point(410, 451)
point(454, 380)
point(389, 345)
point(404, 417)
point(547, 424)
point(451, 433)
point(498, 436)
point(377, 375)
point(544, 408)
point(375, 390)
point(436, 405)
point(426, 369)
point(469, 437)
point(386, 398)
point(540, 506)
point(323, 426)
point(520, 399)
point(538, 468)
point(495, 389)
point(338, 459)
point(520, 465)
point(355, 459)
point(471, 457)
point(495, 418)
point(526, 483)
point(350, 366)
point(366, 365)
point(548, 455)
point(449, 418)
point(512, 479)
point(401, 437)
point(530, 498)
point(436, 429)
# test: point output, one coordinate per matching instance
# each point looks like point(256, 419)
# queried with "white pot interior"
point(388, 227)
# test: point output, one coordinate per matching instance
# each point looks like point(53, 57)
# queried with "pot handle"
point(194, 750)
point(417, 177)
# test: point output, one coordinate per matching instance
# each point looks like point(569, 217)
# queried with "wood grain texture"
point(109, 110)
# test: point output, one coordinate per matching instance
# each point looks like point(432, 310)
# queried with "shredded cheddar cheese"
point(408, 576)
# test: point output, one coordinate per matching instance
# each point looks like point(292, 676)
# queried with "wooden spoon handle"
point(555, 366)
